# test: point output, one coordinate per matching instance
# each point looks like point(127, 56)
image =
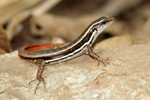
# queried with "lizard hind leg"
point(39, 74)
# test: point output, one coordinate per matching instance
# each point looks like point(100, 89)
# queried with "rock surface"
point(125, 77)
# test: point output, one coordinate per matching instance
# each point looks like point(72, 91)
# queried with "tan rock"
point(125, 77)
point(114, 42)
point(120, 41)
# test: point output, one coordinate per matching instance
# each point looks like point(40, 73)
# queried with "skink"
point(49, 54)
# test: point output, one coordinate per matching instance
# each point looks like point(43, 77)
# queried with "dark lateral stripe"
point(65, 58)
point(69, 56)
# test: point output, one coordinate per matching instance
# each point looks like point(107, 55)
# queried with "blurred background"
point(25, 22)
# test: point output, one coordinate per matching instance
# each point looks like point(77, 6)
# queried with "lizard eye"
point(104, 22)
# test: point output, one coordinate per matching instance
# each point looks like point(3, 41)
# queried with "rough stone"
point(125, 77)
